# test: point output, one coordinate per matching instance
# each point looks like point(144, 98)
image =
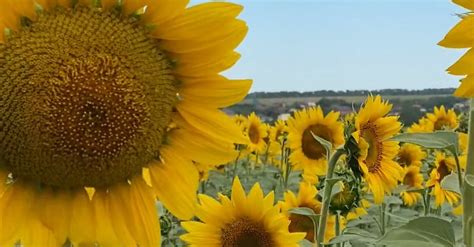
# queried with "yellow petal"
point(55, 212)
point(131, 6)
point(15, 209)
point(466, 89)
point(105, 234)
point(195, 146)
point(118, 200)
point(221, 44)
point(207, 67)
point(468, 4)
point(464, 66)
point(144, 225)
point(23, 8)
point(82, 227)
point(198, 20)
point(461, 35)
point(175, 181)
point(160, 11)
point(108, 4)
point(211, 122)
point(38, 235)
point(217, 90)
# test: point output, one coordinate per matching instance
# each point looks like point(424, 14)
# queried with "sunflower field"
point(113, 133)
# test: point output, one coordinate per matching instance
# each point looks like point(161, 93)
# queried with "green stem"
point(460, 178)
point(468, 190)
point(287, 171)
point(427, 201)
point(236, 162)
point(327, 193)
point(338, 227)
point(382, 218)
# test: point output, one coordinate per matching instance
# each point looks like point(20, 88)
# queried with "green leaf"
point(326, 144)
point(437, 140)
point(469, 179)
point(451, 183)
point(354, 234)
point(306, 212)
point(421, 232)
point(305, 243)
point(393, 200)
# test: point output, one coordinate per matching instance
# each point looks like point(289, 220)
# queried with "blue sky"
point(343, 44)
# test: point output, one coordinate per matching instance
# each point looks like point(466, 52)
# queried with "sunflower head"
point(345, 200)
point(104, 107)
point(242, 220)
point(307, 152)
point(443, 119)
point(424, 125)
point(256, 132)
point(414, 180)
point(410, 155)
point(306, 198)
point(376, 152)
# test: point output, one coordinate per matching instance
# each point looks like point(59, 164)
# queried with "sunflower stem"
point(236, 162)
point(468, 190)
point(382, 218)
point(459, 171)
point(327, 194)
point(338, 227)
point(427, 200)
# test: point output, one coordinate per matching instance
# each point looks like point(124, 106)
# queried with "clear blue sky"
point(346, 44)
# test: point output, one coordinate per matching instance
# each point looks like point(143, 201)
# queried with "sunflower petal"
point(466, 89)
point(105, 234)
point(118, 200)
point(468, 4)
point(175, 181)
point(195, 146)
point(158, 12)
point(211, 122)
point(55, 212)
point(82, 228)
point(143, 213)
point(461, 35)
point(15, 209)
point(197, 21)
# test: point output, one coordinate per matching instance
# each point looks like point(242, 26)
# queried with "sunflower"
point(461, 36)
point(413, 179)
point(373, 129)
point(256, 132)
point(410, 155)
point(306, 198)
point(241, 221)
point(105, 105)
point(422, 126)
point(277, 133)
point(348, 201)
point(307, 153)
point(443, 166)
point(443, 119)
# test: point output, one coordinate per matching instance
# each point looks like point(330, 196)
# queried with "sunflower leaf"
point(451, 183)
point(306, 212)
point(415, 233)
point(325, 143)
point(469, 179)
point(437, 140)
point(354, 234)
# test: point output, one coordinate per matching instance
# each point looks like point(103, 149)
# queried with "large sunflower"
point(306, 198)
point(307, 153)
point(95, 93)
point(373, 129)
point(241, 221)
point(444, 165)
point(461, 36)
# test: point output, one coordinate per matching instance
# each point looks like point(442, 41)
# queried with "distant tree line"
point(325, 93)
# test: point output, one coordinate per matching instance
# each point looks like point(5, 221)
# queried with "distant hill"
point(331, 93)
